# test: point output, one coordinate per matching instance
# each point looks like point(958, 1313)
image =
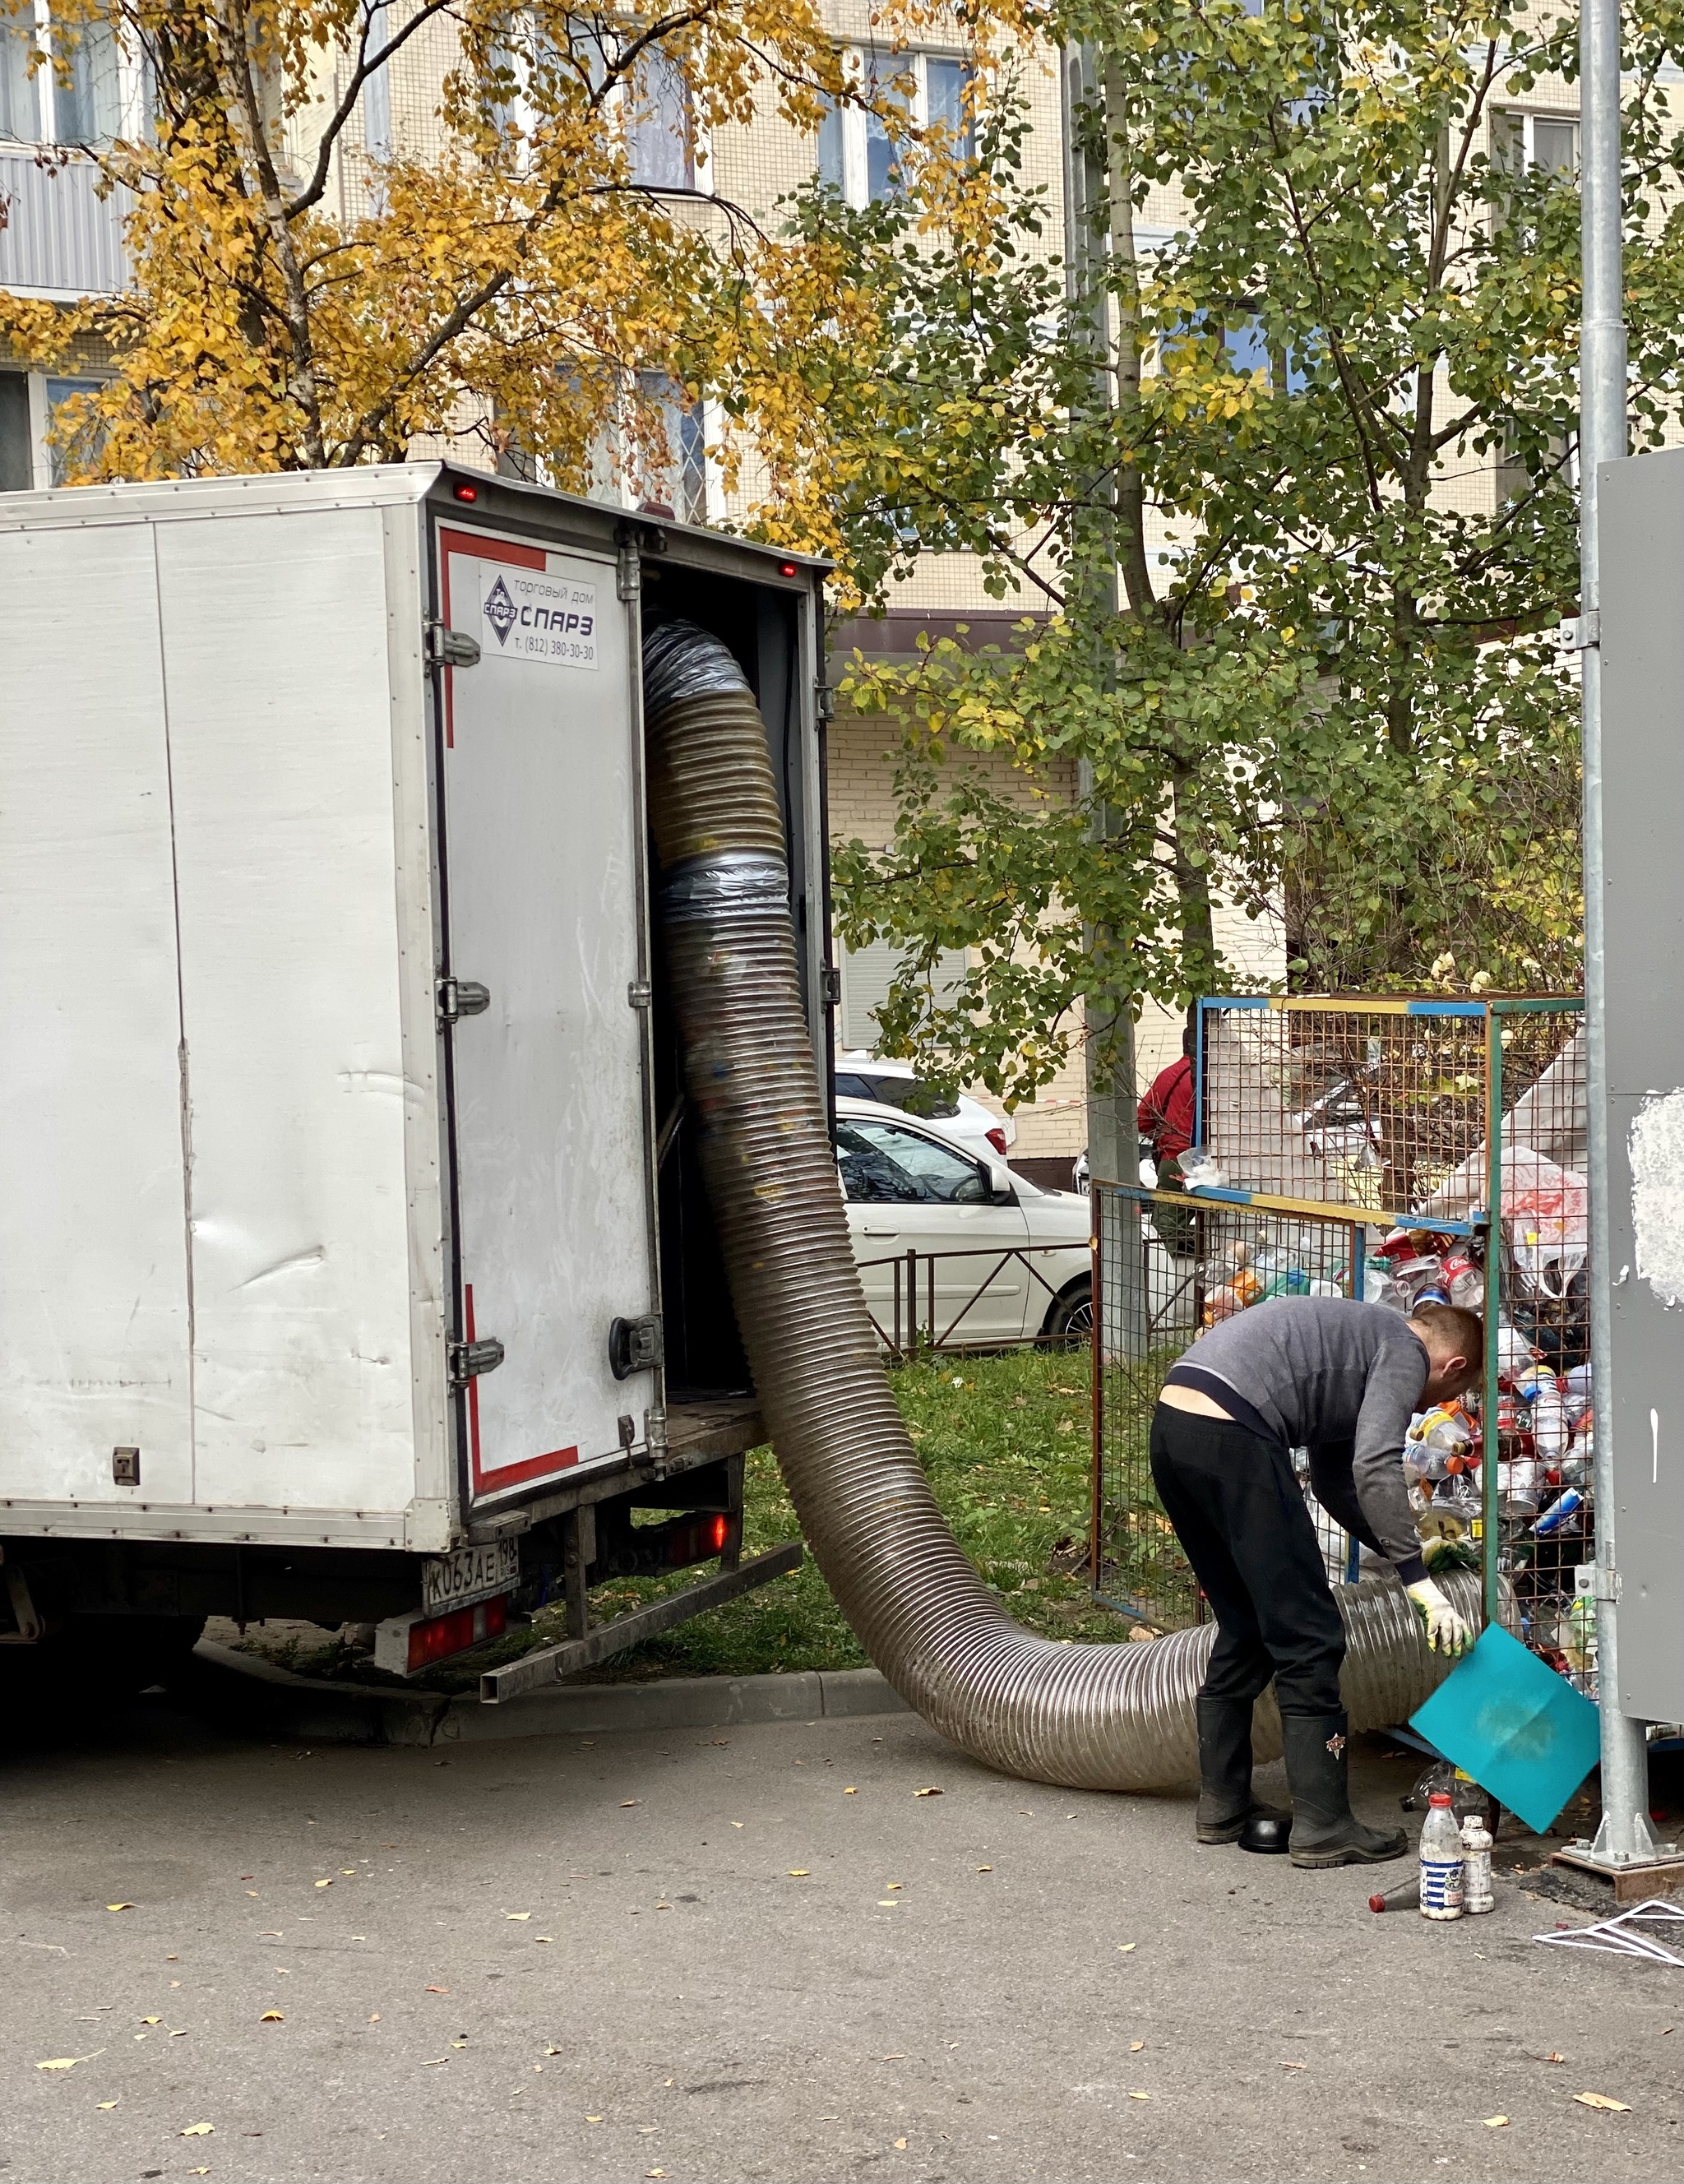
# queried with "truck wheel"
point(1071, 1316)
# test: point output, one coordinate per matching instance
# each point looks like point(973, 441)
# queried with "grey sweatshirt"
point(1342, 1379)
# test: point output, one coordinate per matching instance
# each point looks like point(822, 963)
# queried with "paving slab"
point(758, 1952)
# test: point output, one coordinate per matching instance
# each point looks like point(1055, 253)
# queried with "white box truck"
point(355, 1265)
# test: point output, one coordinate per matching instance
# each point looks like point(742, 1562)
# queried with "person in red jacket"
point(1166, 1117)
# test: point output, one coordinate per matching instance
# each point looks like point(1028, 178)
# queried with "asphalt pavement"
point(758, 1953)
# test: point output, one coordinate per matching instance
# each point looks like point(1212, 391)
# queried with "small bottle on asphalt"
point(1440, 1860)
point(1476, 1889)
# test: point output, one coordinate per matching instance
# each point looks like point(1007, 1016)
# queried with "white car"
point(959, 1118)
point(909, 1188)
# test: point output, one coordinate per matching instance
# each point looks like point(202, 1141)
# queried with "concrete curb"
point(246, 1693)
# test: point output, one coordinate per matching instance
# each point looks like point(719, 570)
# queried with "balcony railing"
point(59, 237)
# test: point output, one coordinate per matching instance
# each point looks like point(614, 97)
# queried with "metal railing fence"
point(918, 1323)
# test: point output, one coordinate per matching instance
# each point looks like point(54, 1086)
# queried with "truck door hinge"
point(629, 577)
point(451, 647)
point(825, 698)
point(639, 993)
point(833, 986)
point(461, 997)
point(468, 1360)
point(634, 1346)
point(1582, 632)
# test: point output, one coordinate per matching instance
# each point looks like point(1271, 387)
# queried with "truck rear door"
point(541, 827)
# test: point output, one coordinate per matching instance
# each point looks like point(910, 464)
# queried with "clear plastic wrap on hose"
point(1117, 1717)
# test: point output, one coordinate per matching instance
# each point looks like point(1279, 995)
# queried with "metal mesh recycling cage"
point(1399, 1150)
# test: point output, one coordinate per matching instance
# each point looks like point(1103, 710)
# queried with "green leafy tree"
point(1332, 484)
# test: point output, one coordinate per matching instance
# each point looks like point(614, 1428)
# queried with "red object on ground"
point(1166, 1114)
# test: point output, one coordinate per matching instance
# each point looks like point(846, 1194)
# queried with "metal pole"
point(1490, 1396)
point(1625, 1835)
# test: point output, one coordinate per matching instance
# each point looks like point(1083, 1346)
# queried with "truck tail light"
point(719, 1531)
point(996, 1137)
point(439, 1636)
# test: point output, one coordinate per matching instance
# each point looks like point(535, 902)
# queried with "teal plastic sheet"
point(1519, 1730)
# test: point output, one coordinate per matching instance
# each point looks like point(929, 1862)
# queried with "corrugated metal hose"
point(1117, 1717)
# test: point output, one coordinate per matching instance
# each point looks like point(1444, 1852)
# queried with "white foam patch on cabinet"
point(1657, 1155)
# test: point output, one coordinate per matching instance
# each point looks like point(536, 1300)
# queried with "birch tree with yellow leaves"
point(310, 289)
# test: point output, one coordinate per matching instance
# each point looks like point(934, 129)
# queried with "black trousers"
point(1239, 1514)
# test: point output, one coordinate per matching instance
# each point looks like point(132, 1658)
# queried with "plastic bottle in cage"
point(1561, 1515)
point(1441, 1853)
point(1463, 1280)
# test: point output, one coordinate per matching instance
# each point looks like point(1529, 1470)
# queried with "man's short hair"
point(1457, 1331)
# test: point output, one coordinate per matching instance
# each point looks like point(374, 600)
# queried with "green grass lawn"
point(1005, 1443)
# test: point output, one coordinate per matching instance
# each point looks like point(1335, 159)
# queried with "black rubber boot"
point(1227, 1813)
point(1324, 1829)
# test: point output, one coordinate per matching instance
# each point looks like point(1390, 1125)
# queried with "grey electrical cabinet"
point(1642, 740)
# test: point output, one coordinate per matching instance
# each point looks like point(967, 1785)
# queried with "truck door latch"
point(451, 647)
point(634, 1346)
point(461, 997)
point(468, 1360)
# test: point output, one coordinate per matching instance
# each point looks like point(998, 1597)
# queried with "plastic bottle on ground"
point(1441, 1853)
point(1476, 1889)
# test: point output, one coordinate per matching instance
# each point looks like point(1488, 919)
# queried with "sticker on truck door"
point(535, 615)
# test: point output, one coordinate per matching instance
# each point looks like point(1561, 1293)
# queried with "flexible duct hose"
point(1115, 1717)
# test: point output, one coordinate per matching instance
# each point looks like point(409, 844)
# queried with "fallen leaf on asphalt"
point(647, 2130)
point(328, 1883)
point(926, 1793)
point(543, 1937)
point(67, 2062)
point(900, 2145)
point(1139, 2097)
point(1553, 2058)
point(119, 1907)
point(593, 2119)
point(179, 2034)
point(517, 1915)
point(271, 2017)
point(1602, 2101)
point(251, 1891)
point(800, 1873)
point(721, 1740)
point(197, 2131)
point(1497, 2123)
point(626, 1803)
point(432, 2059)
point(438, 1990)
point(888, 1903)
point(851, 1792)
point(553, 2051)
point(985, 1868)
point(1123, 1947)
point(151, 2020)
point(105, 2105)
point(204, 2171)
point(655, 2172)
point(374, 2018)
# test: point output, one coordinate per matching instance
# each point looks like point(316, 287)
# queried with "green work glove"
point(1446, 1632)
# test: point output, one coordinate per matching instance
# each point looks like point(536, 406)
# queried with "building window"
point(17, 439)
point(79, 100)
point(856, 155)
point(1549, 141)
point(660, 135)
point(869, 972)
point(672, 477)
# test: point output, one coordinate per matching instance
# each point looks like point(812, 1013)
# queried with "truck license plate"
point(470, 1574)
